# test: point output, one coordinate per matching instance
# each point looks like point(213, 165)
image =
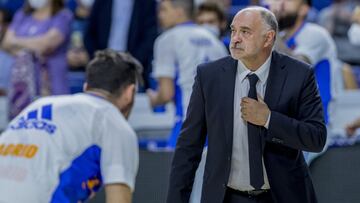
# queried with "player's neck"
point(99, 92)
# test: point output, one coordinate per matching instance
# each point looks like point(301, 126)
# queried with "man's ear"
point(85, 87)
point(269, 38)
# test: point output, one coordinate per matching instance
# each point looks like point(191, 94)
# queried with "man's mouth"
point(237, 46)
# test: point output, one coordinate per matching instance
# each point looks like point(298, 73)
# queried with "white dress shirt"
point(240, 172)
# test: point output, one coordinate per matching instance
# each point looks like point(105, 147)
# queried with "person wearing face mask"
point(352, 73)
point(65, 148)
point(212, 17)
point(177, 51)
point(308, 42)
point(41, 28)
point(354, 31)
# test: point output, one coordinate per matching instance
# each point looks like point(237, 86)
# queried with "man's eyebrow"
point(241, 27)
point(245, 28)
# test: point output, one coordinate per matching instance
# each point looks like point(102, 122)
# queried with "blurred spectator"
point(352, 73)
point(308, 42)
point(212, 17)
point(177, 52)
point(124, 25)
point(41, 28)
point(77, 55)
point(5, 59)
point(354, 31)
point(337, 17)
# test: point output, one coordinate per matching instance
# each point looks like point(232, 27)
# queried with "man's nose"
point(236, 38)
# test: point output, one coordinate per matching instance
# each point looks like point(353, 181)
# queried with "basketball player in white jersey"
point(177, 52)
point(64, 148)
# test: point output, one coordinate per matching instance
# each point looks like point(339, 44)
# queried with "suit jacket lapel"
point(275, 81)
point(227, 91)
point(275, 84)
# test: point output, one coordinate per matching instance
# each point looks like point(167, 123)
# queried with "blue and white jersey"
point(314, 42)
point(177, 53)
point(63, 148)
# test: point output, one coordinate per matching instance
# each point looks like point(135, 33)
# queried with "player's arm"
point(165, 92)
point(118, 193)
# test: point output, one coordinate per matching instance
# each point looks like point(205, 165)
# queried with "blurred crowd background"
point(44, 51)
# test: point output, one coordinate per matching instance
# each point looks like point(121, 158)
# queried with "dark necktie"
point(254, 139)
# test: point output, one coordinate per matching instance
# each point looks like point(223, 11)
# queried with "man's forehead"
point(248, 18)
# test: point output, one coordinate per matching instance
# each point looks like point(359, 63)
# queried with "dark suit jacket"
point(142, 30)
point(296, 124)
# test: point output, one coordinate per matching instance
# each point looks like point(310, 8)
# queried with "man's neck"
point(99, 93)
point(254, 63)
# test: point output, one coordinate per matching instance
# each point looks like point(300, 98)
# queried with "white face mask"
point(87, 3)
point(212, 28)
point(354, 34)
point(38, 4)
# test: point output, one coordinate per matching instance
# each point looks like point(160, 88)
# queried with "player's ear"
point(85, 87)
point(129, 92)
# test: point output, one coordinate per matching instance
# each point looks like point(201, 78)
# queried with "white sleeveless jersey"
point(177, 53)
point(63, 148)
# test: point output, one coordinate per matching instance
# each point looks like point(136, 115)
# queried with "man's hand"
point(255, 112)
point(164, 94)
point(352, 127)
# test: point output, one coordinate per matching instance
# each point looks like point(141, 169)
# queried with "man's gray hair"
point(267, 16)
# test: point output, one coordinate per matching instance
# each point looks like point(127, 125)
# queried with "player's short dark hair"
point(112, 71)
point(212, 7)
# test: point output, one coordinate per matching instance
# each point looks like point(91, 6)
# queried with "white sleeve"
point(354, 34)
point(313, 45)
point(119, 151)
point(164, 57)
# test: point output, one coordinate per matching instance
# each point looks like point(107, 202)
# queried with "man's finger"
point(247, 100)
point(260, 99)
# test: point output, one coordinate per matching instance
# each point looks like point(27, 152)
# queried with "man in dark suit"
point(254, 145)
point(141, 29)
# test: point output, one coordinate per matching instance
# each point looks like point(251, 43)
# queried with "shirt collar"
point(262, 72)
